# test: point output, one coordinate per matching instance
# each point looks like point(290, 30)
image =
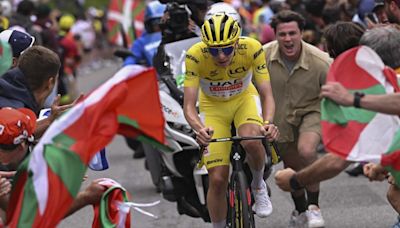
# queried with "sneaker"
point(262, 205)
point(314, 217)
point(298, 220)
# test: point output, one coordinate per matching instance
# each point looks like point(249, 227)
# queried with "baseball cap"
point(16, 125)
point(18, 40)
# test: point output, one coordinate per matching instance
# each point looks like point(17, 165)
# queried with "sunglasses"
point(226, 50)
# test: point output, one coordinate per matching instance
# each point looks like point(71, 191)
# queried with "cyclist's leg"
point(255, 152)
point(216, 159)
point(249, 121)
point(216, 195)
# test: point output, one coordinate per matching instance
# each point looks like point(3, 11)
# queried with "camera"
point(176, 27)
point(178, 20)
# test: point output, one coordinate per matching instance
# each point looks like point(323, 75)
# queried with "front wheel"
point(240, 214)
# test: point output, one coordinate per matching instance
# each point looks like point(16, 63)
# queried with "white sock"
point(258, 175)
point(221, 224)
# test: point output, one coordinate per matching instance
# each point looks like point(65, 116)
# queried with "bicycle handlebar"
point(240, 138)
point(237, 138)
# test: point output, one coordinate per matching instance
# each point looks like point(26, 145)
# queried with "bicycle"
point(240, 201)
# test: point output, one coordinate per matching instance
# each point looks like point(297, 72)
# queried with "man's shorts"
point(219, 115)
point(311, 122)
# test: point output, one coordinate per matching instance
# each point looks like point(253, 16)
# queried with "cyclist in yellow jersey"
point(222, 66)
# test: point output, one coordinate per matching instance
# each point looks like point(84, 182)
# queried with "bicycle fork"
point(239, 210)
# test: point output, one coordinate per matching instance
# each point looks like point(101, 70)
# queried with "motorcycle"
point(175, 172)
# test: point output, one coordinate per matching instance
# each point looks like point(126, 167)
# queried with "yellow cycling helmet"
point(220, 30)
point(66, 22)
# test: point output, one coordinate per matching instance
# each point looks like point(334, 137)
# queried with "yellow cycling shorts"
point(219, 115)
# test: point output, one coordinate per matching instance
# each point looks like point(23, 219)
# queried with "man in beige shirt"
point(297, 70)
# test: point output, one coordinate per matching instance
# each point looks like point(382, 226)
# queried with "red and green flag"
point(112, 210)
point(49, 180)
point(126, 16)
point(358, 134)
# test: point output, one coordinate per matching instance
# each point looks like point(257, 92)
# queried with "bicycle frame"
point(240, 214)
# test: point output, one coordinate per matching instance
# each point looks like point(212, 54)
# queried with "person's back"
point(14, 91)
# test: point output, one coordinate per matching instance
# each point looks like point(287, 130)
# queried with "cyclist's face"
point(223, 55)
point(289, 39)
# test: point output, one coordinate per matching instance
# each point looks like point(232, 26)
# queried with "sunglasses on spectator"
point(214, 51)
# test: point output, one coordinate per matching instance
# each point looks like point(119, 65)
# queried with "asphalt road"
point(345, 201)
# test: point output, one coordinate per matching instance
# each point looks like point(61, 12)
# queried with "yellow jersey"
point(225, 83)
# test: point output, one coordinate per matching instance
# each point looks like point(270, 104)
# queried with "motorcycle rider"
point(145, 47)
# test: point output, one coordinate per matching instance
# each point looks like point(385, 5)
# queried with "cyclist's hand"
point(203, 136)
point(282, 179)
point(270, 131)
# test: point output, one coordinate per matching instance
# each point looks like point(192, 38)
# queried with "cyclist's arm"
point(267, 100)
point(189, 108)
point(191, 89)
point(262, 78)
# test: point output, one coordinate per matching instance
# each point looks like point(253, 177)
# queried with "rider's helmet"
point(153, 13)
point(66, 22)
point(220, 30)
point(222, 7)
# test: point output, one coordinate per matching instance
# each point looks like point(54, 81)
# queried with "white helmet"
point(222, 7)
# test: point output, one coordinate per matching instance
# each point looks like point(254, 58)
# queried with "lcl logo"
point(238, 70)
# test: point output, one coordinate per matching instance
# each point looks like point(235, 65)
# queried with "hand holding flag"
point(358, 134)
